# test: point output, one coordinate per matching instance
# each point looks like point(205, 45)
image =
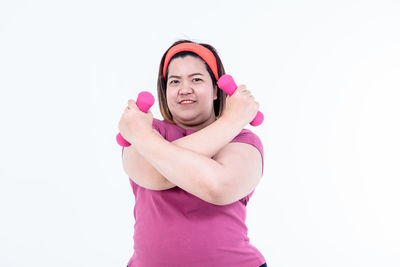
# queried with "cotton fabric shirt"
point(174, 228)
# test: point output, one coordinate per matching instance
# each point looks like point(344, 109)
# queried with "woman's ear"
point(215, 92)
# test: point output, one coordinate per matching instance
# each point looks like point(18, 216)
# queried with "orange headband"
point(199, 50)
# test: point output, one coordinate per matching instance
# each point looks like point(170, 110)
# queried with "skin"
point(188, 79)
point(205, 163)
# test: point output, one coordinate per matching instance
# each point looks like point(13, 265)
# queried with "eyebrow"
point(191, 75)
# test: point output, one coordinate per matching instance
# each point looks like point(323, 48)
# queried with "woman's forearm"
point(191, 171)
point(206, 142)
point(142, 172)
point(209, 140)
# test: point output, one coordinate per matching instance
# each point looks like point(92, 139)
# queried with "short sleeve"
point(159, 127)
point(248, 137)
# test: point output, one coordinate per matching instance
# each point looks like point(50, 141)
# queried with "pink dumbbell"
point(228, 85)
point(144, 102)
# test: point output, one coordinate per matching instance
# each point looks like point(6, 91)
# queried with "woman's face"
point(190, 93)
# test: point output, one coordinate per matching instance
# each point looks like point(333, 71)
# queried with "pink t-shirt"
point(174, 228)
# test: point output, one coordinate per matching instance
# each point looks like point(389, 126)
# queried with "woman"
point(193, 173)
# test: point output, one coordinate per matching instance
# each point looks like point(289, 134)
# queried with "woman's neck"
point(198, 126)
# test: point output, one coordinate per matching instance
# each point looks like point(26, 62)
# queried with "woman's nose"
point(186, 88)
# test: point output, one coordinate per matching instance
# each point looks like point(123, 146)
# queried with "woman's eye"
point(197, 79)
point(173, 82)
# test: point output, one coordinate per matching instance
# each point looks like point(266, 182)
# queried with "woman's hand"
point(134, 123)
point(241, 106)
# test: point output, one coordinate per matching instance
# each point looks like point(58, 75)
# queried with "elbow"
point(219, 193)
point(220, 200)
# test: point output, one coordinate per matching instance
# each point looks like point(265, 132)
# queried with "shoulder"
point(168, 130)
point(243, 168)
point(158, 125)
point(248, 137)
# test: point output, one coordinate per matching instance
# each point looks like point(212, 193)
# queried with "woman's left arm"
point(229, 176)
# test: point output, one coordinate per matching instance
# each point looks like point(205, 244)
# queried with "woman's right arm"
point(142, 172)
point(207, 141)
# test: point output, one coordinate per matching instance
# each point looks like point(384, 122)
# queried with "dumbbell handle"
point(228, 85)
point(144, 102)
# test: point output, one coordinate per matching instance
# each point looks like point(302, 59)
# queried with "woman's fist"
point(135, 124)
point(241, 106)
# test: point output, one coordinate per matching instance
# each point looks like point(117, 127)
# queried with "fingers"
point(131, 104)
point(242, 89)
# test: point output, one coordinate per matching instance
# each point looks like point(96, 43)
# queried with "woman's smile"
point(186, 102)
point(190, 92)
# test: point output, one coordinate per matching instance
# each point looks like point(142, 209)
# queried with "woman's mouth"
point(186, 102)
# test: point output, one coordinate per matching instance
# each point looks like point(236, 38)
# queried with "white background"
point(326, 74)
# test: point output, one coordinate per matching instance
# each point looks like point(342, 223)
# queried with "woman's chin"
point(193, 121)
point(189, 121)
